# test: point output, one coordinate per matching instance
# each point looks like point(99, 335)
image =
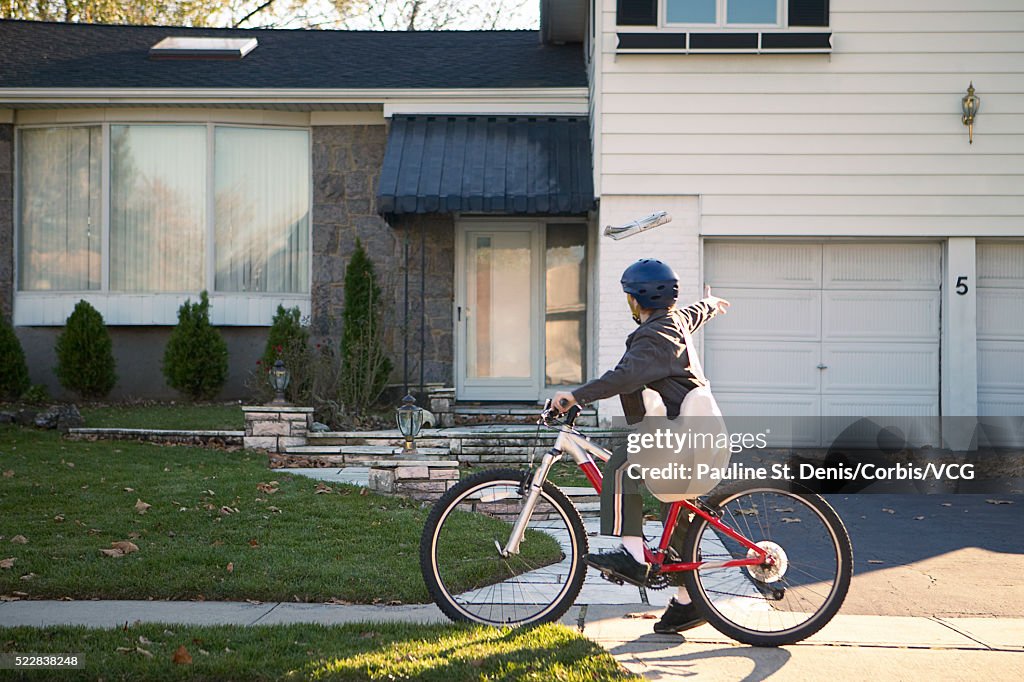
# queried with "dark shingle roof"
point(52, 55)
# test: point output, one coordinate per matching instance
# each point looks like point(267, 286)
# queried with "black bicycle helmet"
point(652, 283)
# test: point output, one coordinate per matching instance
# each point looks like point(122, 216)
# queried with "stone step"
point(339, 456)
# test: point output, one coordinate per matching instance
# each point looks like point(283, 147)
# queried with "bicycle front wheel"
point(778, 603)
point(463, 568)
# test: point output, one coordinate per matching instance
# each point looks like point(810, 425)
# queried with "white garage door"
point(1001, 328)
point(832, 329)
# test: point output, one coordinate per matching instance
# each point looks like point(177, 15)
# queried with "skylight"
point(201, 47)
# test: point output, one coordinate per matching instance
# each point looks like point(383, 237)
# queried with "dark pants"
point(622, 504)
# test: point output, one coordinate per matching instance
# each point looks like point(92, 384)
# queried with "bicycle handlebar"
point(551, 413)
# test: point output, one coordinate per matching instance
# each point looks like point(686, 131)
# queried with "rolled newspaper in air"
point(637, 226)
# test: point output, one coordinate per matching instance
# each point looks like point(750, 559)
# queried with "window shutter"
point(637, 12)
point(807, 13)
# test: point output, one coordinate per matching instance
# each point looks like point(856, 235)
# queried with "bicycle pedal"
point(612, 578)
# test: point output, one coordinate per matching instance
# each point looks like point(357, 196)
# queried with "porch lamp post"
point(970, 105)
point(279, 378)
point(410, 420)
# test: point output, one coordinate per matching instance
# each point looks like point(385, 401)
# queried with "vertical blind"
point(157, 208)
point(159, 221)
point(59, 238)
point(261, 185)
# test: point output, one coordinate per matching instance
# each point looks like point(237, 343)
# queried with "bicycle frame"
point(584, 452)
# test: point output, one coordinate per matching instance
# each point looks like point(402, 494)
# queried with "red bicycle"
point(766, 563)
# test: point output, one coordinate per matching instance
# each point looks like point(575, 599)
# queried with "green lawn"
point(212, 416)
point(377, 651)
point(211, 532)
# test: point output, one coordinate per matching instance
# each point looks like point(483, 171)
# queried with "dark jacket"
point(655, 358)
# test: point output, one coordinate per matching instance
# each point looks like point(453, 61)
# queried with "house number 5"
point(961, 285)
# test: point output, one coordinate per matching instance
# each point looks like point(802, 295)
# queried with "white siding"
point(865, 140)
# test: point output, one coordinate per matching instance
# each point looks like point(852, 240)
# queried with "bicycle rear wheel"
point(776, 604)
point(469, 579)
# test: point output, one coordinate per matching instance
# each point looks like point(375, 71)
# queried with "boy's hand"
point(563, 400)
point(721, 305)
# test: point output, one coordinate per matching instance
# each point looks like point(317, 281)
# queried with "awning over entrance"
point(487, 164)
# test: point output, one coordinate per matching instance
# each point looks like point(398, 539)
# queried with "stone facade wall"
point(346, 168)
point(6, 220)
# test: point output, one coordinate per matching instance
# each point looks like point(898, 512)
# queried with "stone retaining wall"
point(275, 428)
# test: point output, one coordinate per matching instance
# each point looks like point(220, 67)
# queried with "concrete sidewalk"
point(861, 647)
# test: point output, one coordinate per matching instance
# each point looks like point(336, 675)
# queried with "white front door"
point(521, 313)
point(825, 329)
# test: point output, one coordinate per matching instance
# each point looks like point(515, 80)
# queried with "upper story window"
point(755, 14)
point(724, 12)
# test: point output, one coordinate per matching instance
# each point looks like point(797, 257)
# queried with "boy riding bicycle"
point(656, 357)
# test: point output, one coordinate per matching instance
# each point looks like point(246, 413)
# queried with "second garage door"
point(825, 329)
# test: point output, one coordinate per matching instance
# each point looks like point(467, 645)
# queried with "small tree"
point(289, 340)
point(196, 358)
point(13, 370)
point(85, 354)
point(365, 367)
point(286, 335)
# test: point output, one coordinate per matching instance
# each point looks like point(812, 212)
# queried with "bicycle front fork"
point(540, 475)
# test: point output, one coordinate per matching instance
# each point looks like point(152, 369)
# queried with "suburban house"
point(812, 154)
point(141, 165)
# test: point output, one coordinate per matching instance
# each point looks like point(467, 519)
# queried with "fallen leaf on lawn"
point(7, 597)
point(254, 543)
point(9, 473)
point(231, 567)
point(209, 492)
point(168, 633)
point(143, 641)
point(28, 576)
point(125, 546)
point(204, 652)
point(71, 465)
point(888, 511)
point(59, 518)
point(335, 600)
point(790, 519)
point(322, 488)
point(784, 510)
point(147, 654)
point(368, 635)
point(363, 491)
point(167, 468)
point(181, 656)
point(94, 531)
point(129, 490)
point(253, 601)
point(274, 509)
point(216, 543)
point(134, 536)
point(989, 501)
point(919, 518)
point(875, 561)
point(115, 553)
point(394, 602)
point(267, 488)
point(124, 650)
point(225, 510)
point(19, 540)
point(85, 487)
point(644, 616)
point(141, 506)
point(16, 593)
point(7, 563)
point(228, 651)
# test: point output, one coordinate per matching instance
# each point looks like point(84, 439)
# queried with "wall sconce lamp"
point(970, 104)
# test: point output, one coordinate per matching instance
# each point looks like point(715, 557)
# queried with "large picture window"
point(191, 207)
